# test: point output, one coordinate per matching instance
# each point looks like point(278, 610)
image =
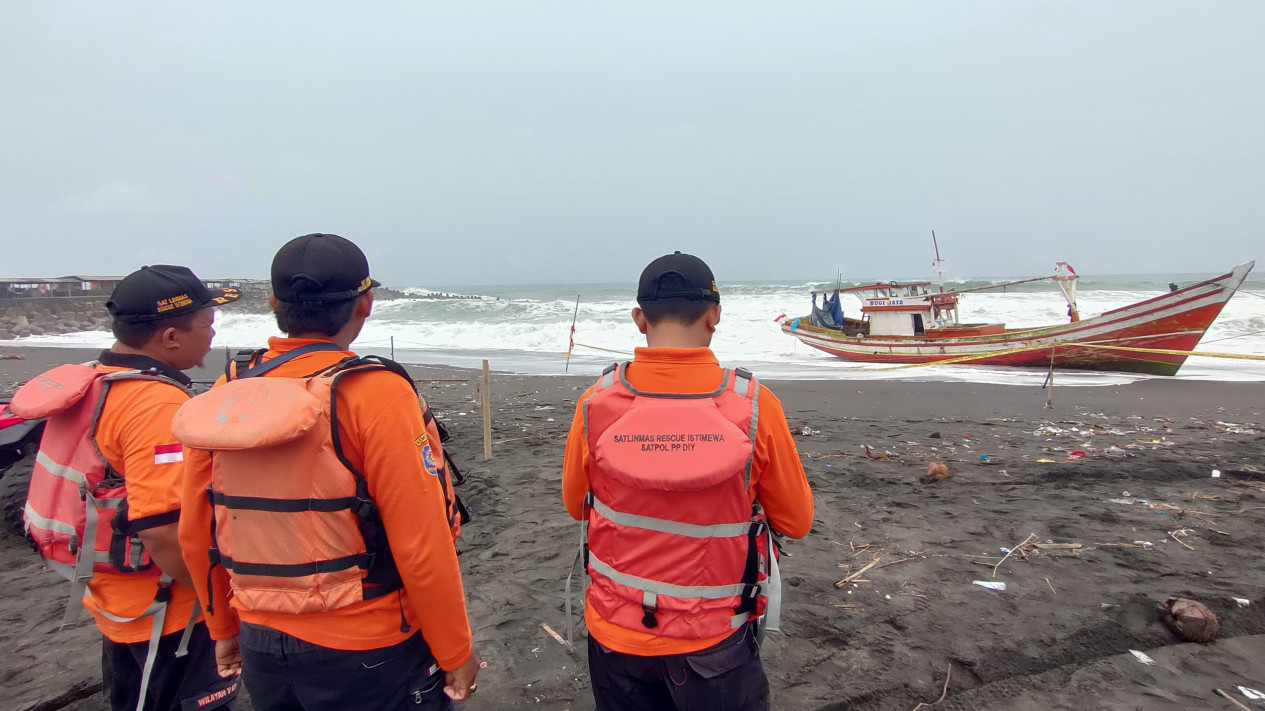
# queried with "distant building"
point(89, 286)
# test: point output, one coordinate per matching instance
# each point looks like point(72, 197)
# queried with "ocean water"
point(525, 329)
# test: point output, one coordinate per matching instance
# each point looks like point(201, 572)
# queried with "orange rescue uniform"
point(134, 436)
point(382, 433)
point(777, 476)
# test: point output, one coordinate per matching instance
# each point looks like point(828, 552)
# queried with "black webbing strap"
point(383, 576)
point(751, 571)
point(298, 570)
point(240, 361)
point(261, 368)
point(212, 553)
point(258, 503)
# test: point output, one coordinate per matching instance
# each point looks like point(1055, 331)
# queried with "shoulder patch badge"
point(428, 460)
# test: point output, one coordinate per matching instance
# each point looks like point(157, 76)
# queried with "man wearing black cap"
point(680, 470)
point(162, 320)
point(402, 639)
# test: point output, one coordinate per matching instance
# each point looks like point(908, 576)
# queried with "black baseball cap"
point(677, 276)
point(320, 267)
point(163, 291)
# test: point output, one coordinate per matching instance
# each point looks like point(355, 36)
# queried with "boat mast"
point(938, 264)
point(1066, 278)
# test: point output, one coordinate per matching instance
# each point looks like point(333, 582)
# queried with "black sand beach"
point(1140, 514)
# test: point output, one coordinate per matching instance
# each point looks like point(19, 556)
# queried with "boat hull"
point(1175, 322)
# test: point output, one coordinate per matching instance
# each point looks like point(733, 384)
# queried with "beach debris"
point(12, 356)
point(805, 431)
point(990, 584)
point(1190, 620)
point(556, 637)
point(1050, 546)
point(1241, 601)
point(1142, 657)
point(1232, 428)
point(881, 456)
point(948, 674)
point(1216, 473)
point(1233, 700)
point(858, 574)
point(1020, 548)
point(1147, 545)
point(1251, 694)
point(934, 435)
point(936, 471)
point(1126, 502)
point(1047, 460)
point(1047, 582)
point(1076, 454)
point(1177, 536)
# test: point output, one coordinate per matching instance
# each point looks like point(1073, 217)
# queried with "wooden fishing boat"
point(912, 323)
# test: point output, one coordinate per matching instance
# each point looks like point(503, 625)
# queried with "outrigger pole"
point(571, 345)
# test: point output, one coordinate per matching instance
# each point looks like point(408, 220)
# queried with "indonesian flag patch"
point(168, 454)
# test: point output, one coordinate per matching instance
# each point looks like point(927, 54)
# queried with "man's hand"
point(459, 683)
point(228, 657)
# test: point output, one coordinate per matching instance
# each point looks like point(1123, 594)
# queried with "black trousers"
point(724, 677)
point(176, 684)
point(285, 673)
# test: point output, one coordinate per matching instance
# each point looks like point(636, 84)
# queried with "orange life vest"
point(76, 508)
point(446, 469)
point(293, 520)
point(675, 545)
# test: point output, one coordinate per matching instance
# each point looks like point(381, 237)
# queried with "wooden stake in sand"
point(487, 411)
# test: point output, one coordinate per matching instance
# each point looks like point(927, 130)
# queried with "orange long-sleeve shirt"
point(134, 436)
point(777, 476)
point(382, 433)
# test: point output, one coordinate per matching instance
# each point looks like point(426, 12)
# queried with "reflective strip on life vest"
point(706, 592)
point(48, 524)
point(692, 530)
point(61, 470)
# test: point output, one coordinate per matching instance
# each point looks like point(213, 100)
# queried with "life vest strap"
point(691, 530)
point(265, 366)
point(258, 503)
point(298, 570)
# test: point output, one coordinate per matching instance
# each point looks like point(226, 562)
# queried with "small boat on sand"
point(910, 322)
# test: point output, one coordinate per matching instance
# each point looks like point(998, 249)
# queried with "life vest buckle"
point(647, 617)
point(164, 593)
point(365, 508)
point(213, 553)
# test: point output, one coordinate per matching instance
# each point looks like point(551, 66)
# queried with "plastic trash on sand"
point(1242, 601)
point(1251, 694)
point(1141, 657)
point(1076, 454)
point(990, 584)
point(1216, 473)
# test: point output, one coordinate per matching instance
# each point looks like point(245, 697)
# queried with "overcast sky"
point(536, 141)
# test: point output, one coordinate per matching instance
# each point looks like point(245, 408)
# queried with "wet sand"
point(1149, 519)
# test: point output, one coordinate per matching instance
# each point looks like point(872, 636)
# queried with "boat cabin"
point(909, 309)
